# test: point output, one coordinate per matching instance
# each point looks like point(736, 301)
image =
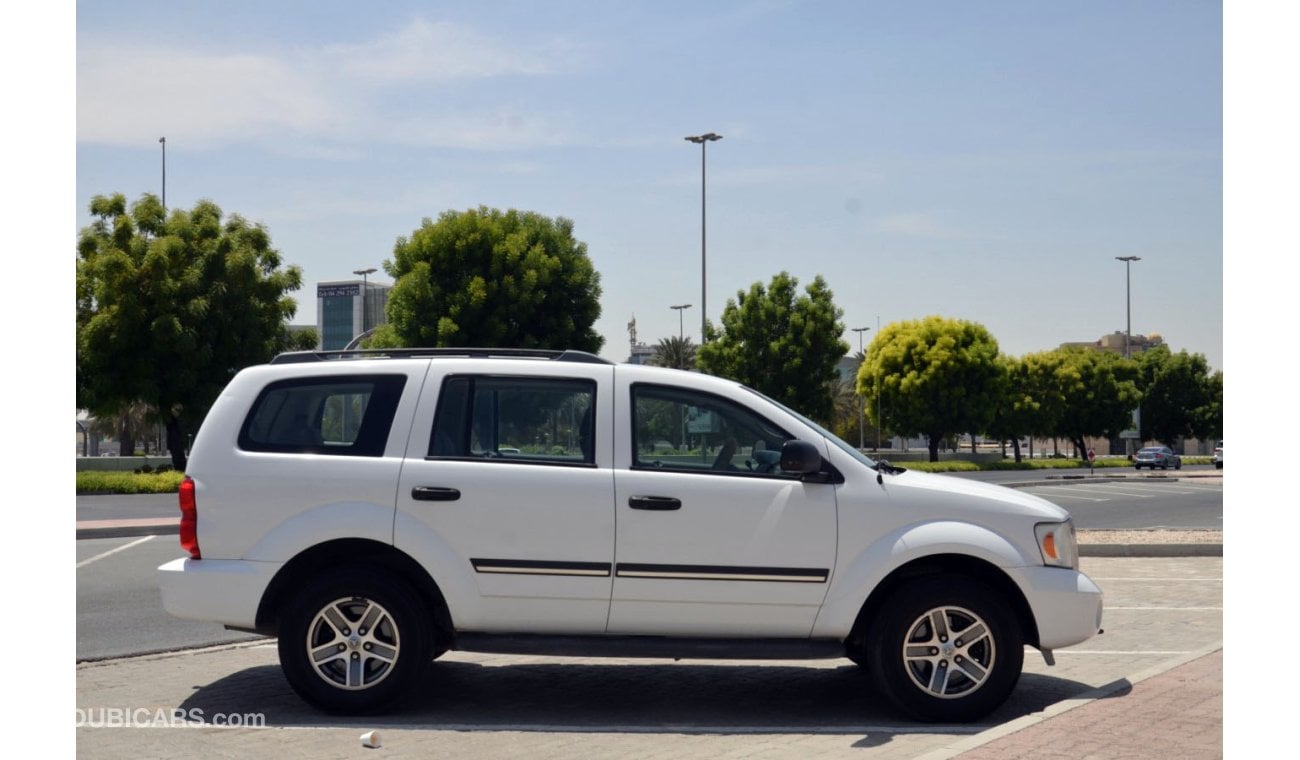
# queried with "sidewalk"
point(1175, 712)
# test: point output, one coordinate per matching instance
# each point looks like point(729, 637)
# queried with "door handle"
point(434, 493)
point(656, 503)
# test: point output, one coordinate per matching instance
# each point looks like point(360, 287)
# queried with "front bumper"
point(220, 590)
point(1066, 604)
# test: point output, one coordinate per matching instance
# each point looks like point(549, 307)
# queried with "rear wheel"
point(945, 649)
point(356, 640)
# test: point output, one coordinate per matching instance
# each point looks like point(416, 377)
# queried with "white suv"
point(374, 510)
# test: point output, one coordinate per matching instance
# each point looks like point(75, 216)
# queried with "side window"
point(514, 419)
point(677, 429)
point(340, 415)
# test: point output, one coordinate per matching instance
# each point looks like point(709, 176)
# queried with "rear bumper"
point(220, 590)
point(1066, 604)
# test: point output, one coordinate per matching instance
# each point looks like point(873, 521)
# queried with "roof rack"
point(302, 357)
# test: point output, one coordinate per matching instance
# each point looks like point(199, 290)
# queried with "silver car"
point(1157, 456)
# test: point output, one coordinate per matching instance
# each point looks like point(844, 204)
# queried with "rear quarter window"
point(341, 415)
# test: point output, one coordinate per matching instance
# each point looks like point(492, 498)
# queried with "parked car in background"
point(1218, 456)
point(1157, 456)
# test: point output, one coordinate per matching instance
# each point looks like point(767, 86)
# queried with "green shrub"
point(127, 482)
point(949, 466)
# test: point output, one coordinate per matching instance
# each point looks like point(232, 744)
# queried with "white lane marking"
point(1123, 651)
point(1174, 609)
point(1159, 580)
point(1056, 495)
point(1112, 491)
point(111, 552)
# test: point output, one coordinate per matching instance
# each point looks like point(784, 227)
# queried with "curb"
point(1064, 706)
point(128, 528)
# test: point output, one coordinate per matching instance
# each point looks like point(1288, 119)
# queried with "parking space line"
point(1158, 580)
point(1056, 495)
point(111, 552)
point(1166, 609)
point(1142, 652)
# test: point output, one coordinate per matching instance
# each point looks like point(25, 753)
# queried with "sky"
point(980, 161)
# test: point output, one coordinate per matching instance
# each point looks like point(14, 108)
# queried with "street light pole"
point(862, 413)
point(880, 421)
point(364, 287)
point(1128, 327)
point(680, 323)
point(703, 141)
point(163, 142)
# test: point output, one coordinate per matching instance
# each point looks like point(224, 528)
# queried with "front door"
point(713, 538)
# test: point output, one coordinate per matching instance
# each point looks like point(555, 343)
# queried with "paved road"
point(119, 611)
point(1160, 612)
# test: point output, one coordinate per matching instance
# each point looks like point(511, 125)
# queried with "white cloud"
point(130, 92)
point(439, 52)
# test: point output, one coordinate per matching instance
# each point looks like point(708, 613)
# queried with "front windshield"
point(834, 439)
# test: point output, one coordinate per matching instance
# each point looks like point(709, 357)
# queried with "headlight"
point(1057, 544)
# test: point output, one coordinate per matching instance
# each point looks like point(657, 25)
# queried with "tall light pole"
point(862, 413)
point(880, 421)
point(680, 323)
point(703, 141)
point(364, 287)
point(163, 142)
point(1128, 330)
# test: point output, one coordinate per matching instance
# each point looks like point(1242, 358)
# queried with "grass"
point(129, 482)
point(1033, 464)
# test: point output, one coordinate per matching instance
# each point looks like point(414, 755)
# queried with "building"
point(347, 308)
point(1114, 343)
point(641, 353)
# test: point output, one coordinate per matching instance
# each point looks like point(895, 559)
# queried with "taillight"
point(189, 519)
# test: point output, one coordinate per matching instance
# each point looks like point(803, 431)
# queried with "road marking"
point(110, 552)
point(1056, 495)
point(1159, 580)
point(1174, 609)
point(1123, 651)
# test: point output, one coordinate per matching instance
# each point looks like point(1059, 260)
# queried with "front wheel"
point(945, 649)
point(355, 641)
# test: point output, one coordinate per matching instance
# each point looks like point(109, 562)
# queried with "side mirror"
point(800, 457)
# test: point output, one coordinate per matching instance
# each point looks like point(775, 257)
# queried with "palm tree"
point(678, 353)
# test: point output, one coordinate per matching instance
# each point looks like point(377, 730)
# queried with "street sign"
point(1091, 455)
point(1129, 434)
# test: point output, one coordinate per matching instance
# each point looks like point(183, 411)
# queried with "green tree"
point(1097, 393)
point(492, 278)
point(1016, 407)
point(305, 339)
point(169, 307)
point(675, 352)
point(781, 344)
point(939, 377)
point(1176, 390)
point(1207, 421)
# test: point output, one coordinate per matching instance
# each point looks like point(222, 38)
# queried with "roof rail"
point(302, 357)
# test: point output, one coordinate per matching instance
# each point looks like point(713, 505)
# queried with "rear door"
point(507, 494)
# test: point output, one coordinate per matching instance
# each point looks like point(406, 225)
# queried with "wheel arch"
point(944, 564)
point(358, 551)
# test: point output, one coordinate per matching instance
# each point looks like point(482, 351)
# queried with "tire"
point(1218, 465)
point(332, 611)
point(918, 660)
